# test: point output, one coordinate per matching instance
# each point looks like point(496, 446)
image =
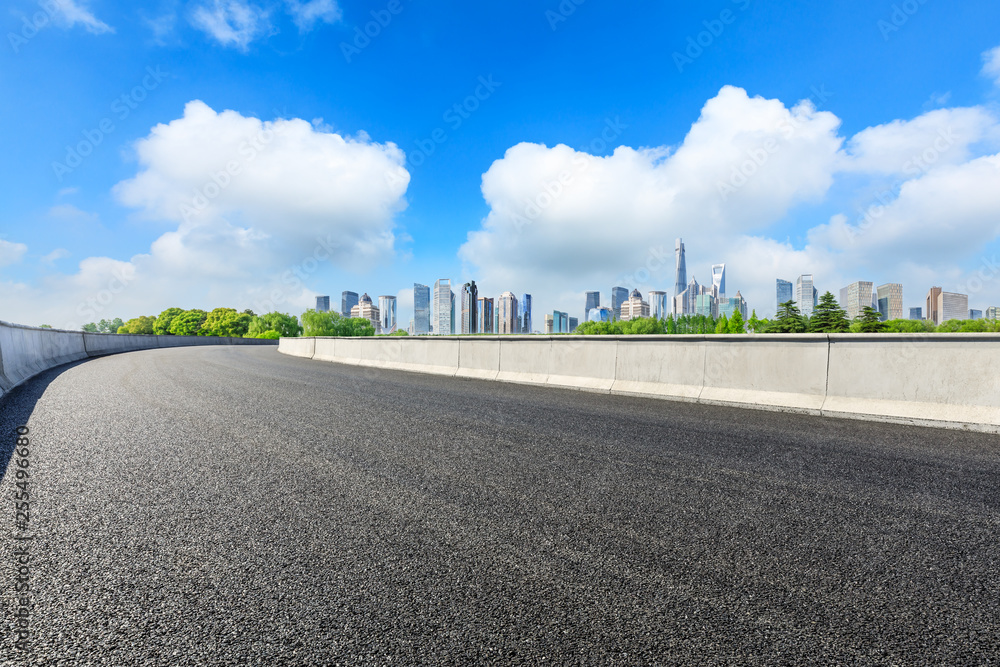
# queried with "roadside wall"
point(945, 380)
point(27, 351)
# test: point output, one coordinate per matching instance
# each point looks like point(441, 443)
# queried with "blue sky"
point(144, 89)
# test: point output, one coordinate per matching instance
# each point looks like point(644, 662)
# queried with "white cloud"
point(11, 253)
point(71, 213)
point(306, 14)
point(69, 13)
point(562, 221)
point(232, 23)
point(296, 205)
point(991, 65)
point(55, 255)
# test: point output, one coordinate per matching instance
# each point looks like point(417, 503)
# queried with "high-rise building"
point(890, 301)
point(443, 307)
point(731, 305)
point(619, 295)
point(524, 314)
point(322, 304)
point(718, 280)
point(593, 301)
point(706, 305)
point(602, 314)
point(952, 306)
point(684, 303)
point(784, 293)
point(549, 324)
point(805, 294)
point(992, 312)
point(916, 313)
point(387, 309)
point(366, 309)
point(560, 322)
point(932, 305)
point(347, 301)
point(573, 324)
point(975, 314)
point(421, 309)
point(855, 298)
point(634, 308)
point(657, 304)
point(680, 277)
point(507, 314)
point(485, 308)
point(470, 307)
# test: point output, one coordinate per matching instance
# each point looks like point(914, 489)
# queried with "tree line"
point(223, 322)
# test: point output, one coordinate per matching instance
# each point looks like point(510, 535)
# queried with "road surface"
point(237, 506)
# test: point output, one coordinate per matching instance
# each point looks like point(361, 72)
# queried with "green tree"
point(188, 323)
point(671, 327)
point(110, 326)
point(400, 332)
point(162, 325)
point(641, 326)
point(736, 323)
point(722, 325)
point(754, 324)
point(287, 326)
point(333, 324)
point(225, 322)
point(828, 317)
point(908, 326)
point(870, 321)
point(788, 319)
point(138, 325)
point(90, 327)
point(44, 326)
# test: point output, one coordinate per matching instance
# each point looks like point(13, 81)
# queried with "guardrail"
point(944, 380)
point(27, 351)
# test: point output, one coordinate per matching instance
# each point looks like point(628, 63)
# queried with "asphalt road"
point(237, 506)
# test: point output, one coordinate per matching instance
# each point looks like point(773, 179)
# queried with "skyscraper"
point(658, 304)
point(619, 295)
point(443, 307)
point(890, 301)
point(601, 314)
point(387, 310)
point(719, 280)
point(366, 309)
point(524, 313)
point(593, 301)
point(785, 293)
point(421, 309)
point(932, 305)
point(680, 278)
point(633, 308)
point(485, 313)
point(992, 313)
point(560, 322)
point(805, 294)
point(470, 307)
point(573, 324)
point(322, 304)
point(856, 297)
point(916, 313)
point(549, 324)
point(507, 314)
point(684, 303)
point(347, 301)
point(952, 306)
point(975, 314)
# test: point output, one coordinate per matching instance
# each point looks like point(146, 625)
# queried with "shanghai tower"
point(680, 282)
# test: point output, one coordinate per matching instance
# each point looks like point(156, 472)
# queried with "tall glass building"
point(322, 304)
point(657, 304)
point(387, 311)
point(485, 312)
point(470, 306)
point(524, 313)
point(784, 293)
point(856, 297)
point(593, 301)
point(719, 280)
point(347, 301)
point(917, 313)
point(706, 305)
point(890, 301)
point(560, 322)
point(680, 277)
point(443, 307)
point(507, 314)
point(805, 294)
point(602, 314)
point(619, 295)
point(421, 309)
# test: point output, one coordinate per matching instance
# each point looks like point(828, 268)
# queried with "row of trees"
point(226, 322)
point(330, 323)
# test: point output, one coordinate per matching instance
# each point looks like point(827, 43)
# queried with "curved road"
point(237, 506)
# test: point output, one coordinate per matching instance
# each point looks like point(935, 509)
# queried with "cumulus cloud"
point(69, 13)
point(307, 14)
point(232, 23)
point(562, 221)
point(11, 253)
point(991, 65)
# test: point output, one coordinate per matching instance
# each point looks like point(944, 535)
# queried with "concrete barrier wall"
point(27, 351)
point(947, 380)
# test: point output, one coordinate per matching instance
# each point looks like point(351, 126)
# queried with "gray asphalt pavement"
point(236, 506)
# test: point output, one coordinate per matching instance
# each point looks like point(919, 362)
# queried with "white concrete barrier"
point(949, 380)
point(298, 347)
point(27, 351)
